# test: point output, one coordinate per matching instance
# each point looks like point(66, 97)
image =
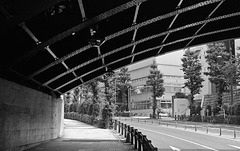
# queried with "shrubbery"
point(82, 118)
point(216, 119)
point(123, 114)
point(234, 120)
point(195, 118)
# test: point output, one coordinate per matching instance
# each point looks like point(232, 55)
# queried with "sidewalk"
point(79, 136)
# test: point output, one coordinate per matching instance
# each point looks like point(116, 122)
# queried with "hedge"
point(234, 120)
point(216, 119)
point(82, 118)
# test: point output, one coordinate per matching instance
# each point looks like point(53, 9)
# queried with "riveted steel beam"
point(134, 27)
point(205, 23)
point(47, 48)
point(163, 45)
point(144, 40)
point(80, 3)
point(79, 27)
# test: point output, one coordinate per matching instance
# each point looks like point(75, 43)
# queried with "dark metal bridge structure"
point(56, 45)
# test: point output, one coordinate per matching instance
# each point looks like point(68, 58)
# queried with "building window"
point(168, 89)
point(177, 89)
point(144, 104)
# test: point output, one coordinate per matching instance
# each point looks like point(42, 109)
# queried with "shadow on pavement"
point(79, 136)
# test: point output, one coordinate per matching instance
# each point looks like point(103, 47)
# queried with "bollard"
point(144, 142)
point(195, 127)
point(147, 144)
point(139, 141)
point(125, 128)
point(155, 149)
point(176, 124)
point(234, 133)
point(135, 138)
point(132, 131)
point(128, 134)
point(119, 127)
point(167, 123)
point(115, 125)
point(175, 117)
point(122, 129)
point(220, 131)
point(207, 128)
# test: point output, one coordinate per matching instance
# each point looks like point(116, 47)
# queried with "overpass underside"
point(52, 46)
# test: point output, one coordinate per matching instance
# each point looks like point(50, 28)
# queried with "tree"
point(94, 89)
point(156, 81)
point(109, 91)
point(223, 68)
point(198, 110)
point(214, 69)
point(123, 84)
point(231, 75)
point(237, 110)
point(180, 95)
point(68, 101)
point(192, 73)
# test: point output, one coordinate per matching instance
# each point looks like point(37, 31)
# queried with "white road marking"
point(180, 139)
point(174, 148)
point(235, 146)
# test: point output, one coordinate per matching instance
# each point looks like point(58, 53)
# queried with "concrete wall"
point(27, 117)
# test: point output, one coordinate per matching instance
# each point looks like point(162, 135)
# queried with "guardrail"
point(134, 137)
point(232, 131)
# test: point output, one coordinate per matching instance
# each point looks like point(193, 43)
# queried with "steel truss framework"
point(57, 45)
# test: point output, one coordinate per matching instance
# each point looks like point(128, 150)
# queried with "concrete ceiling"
point(56, 45)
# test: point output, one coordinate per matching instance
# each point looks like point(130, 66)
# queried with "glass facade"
point(141, 97)
point(141, 105)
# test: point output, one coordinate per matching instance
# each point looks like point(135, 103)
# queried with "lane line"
point(174, 148)
point(180, 139)
point(234, 146)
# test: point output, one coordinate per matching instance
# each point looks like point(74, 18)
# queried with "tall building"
point(141, 97)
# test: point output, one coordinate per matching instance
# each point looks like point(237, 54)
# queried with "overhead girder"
point(134, 27)
point(79, 27)
point(161, 34)
point(26, 11)
point(166, 42)
point(152, 37)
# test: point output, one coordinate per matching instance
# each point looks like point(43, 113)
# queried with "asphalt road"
point(169, 138)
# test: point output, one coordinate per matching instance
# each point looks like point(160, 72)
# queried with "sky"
point(172, 58)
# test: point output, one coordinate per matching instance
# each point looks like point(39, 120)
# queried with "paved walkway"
point(79, 136)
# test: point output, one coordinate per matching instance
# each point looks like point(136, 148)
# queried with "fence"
point(231, 131)
point(134, 137)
